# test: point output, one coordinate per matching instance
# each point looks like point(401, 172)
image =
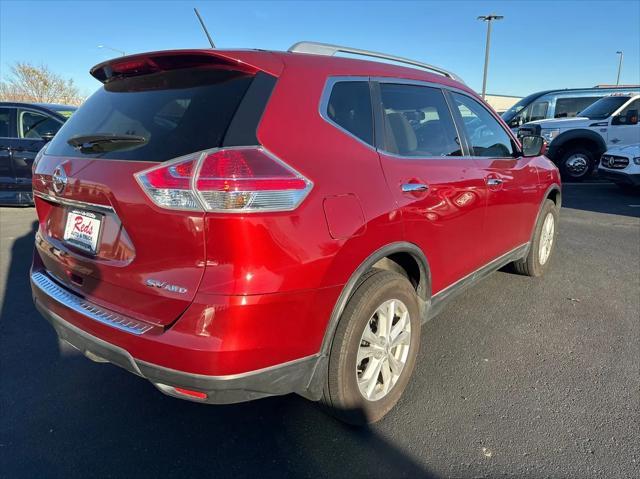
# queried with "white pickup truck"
point(576, 144)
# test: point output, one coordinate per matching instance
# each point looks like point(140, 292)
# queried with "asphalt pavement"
point(518, 377)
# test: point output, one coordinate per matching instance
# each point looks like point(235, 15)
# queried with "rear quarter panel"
point(268, 253)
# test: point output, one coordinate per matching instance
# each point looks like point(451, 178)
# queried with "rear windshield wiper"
point(99, 143)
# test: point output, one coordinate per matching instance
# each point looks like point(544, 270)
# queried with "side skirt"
point(439, 300)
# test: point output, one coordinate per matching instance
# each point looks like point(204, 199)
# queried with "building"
point(502, 103)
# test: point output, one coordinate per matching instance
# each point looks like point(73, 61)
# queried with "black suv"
point(24, 130)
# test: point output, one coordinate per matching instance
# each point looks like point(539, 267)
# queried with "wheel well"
point(586, 143)
point(407, 265)
point(555, 196)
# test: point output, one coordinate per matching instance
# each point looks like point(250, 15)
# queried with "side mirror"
point(533, 145)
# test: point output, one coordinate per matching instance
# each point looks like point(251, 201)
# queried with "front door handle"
point(412, 187)
point(494, 182)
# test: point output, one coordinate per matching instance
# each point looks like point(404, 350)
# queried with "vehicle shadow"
point(63, 416)
point(602, 198)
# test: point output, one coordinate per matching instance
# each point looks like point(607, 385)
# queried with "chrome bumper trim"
point(86, 308)
point(73, 203)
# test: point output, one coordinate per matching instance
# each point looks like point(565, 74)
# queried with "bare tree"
point(38, 84)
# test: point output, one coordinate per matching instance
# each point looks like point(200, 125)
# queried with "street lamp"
point(621, 53)
point(113, 49)
point(489, 19)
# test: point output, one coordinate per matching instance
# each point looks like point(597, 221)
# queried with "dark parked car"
point(237, 224)
point(24, 130)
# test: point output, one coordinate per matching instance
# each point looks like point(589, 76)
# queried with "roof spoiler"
point(146, 63)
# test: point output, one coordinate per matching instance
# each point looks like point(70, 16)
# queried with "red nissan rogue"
point(235, 224)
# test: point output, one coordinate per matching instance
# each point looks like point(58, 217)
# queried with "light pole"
point(489, 19)
point(621, 53)
point(112, 49)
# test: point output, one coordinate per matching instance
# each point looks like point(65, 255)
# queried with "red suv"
point(234, 224)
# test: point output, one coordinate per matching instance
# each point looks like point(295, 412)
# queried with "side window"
point(630, 111)
point(535, 111)
point(5, 122)
point(417, 121)
point(570, 107)
point(538, 111)
point(36, 126)
point(350, 107)
point(486, 136)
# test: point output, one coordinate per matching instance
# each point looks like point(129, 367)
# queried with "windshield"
point(154, 117)
point(604, 107)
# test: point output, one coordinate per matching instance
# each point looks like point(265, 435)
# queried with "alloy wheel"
point(383, 350)
point(546, 238)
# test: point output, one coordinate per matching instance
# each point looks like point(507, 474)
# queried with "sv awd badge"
point(154, 283)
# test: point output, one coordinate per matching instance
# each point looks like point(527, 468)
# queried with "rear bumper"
point(288, 377)
point(620, 177)
point(16, 198)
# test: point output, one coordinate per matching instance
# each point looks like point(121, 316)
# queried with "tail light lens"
point(232, 180)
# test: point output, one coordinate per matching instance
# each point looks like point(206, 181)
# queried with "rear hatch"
point(99, 234)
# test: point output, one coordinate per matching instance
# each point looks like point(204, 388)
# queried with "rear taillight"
point(233, 180)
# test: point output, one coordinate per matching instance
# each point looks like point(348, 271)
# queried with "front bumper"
point(620, 177)
point(290, 377)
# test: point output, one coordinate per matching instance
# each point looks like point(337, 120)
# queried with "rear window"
point(175, 112)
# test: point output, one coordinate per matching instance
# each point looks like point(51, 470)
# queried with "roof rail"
point(316, 48)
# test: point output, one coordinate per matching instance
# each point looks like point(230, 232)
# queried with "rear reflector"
point(232, 180)
point(181, 392)
point(190, 393)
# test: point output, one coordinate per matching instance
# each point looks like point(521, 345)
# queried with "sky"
point(539, 45)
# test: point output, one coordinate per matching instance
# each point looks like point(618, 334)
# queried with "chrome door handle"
point(494, 181)
point(411, 187)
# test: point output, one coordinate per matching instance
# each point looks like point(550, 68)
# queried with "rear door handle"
point(411, 187)
point(494, 181)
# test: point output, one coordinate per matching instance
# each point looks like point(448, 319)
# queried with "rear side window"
point(486, 136)
point(350, 107)
point(174, 113)
point(570, 107)
point(418, 122)
point(36, 126)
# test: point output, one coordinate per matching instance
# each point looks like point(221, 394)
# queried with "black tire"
point(530, 265)
point(571, 160)
point(341, 395)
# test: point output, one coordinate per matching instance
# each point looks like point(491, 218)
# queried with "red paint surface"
point(261, 287)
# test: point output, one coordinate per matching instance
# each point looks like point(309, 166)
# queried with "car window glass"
point(176, 112)
point(536, 111)
point(604, 107)
point(486, 136)
point(35, 125)
point(5, 117)
point(350, 107)
point(417, 121)
point(570, 107)
point(631, 107)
